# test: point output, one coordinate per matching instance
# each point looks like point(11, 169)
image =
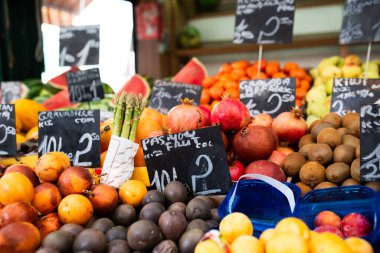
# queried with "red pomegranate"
point(185, 117)
point(290, 126)
point(266, 168)
point(231, 114)
point(207, 115)
point(254, 143)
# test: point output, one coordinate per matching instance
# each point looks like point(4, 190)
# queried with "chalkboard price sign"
point(369, 143)
point(270, 96)
point(79, 45)
point(264, 22)
point(195, 158)
point(76, 133)
point(361, 22)
point(85, 85)
point(8, 145)
point(10, 91)
point(166, 95)
point(348, 94)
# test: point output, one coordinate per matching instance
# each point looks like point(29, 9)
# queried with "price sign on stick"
point(10, 91)
point(79, 46)
point(8, 145)
point(270, 96)
point(348, 94)
point(369, 143)
point(195, 158)
point(166, 95)
point(76, 133)
point(264, 22)
point(85, 85)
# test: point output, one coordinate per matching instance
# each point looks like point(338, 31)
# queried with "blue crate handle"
point(284, 189)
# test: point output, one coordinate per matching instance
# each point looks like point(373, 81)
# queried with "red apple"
point(266, 168)
point(327, 218)
point(277, 157)
point(236, 170)
point(328, 228)
point(206, 112)
point(262, 119)
point(355, 224)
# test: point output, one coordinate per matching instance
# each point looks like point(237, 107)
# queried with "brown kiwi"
point(312, 173)
point(373, 185)
point(357, 151)
point(355, 169)
point(349, 182)
point(350, 140)
point(319, 127)
point(304, 150)
point(315, 122)
point(293, 163)
point(329, 136)
point(337, 172)
point(342, 131)
point(306, 139)
point(352, 121)
point(334, 119)
point(344, 154)
point(304, 188)
point(325, 185)
point(321, 153)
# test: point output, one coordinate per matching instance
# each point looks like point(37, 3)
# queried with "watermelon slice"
point(59, 82)
point(136, 85)
point(59, 100)
point(193, 73)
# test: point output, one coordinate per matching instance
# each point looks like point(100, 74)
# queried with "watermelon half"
point(193, 73)
point(136, 85)
point(59, 100)
point(59, 82)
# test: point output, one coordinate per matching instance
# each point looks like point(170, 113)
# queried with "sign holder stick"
point(260, 58)
point(89, 105)
point(367, 59)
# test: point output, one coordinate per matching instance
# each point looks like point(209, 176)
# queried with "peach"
point(327, 218)
point(355, 224)
point(329, 228)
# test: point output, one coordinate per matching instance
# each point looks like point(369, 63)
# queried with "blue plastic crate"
point(261, 201)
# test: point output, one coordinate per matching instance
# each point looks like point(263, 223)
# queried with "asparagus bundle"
point(127, 112)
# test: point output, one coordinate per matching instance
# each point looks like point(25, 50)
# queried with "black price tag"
point(195, 158)
point(361, 22)
point(85, 85)
point(10, 91)
point(76, 133)
point(264, 22)
point(270, 96)
point(8, 146)
point(370, 143)
point(166, 95)
point(349, 93)
point(79, 45)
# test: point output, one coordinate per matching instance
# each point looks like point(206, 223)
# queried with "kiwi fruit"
point(342, 131)
point(143, 235)
point(198, 209)
point(152, 212)
point(329, 136)
point(334, 119)
point(319, 127)
point(312, 174)
point(373, 185)
point(215, 214)
point(304, 150)
point(118, 246)
point(103, 225)
point(189, 240)
point(355, 169)
point(314, 123)
point(293, 163)
point(208, 200)
point(73, 229)
point(116, 233)
point(179, 207)
point(350, 140)
point(357, 151)
point(304, 188)
point(172, 224)
point(337, 172)
point(349, 182)
point(166, 246)
point(352, 121)
point(325, 185)
point(124, 215)
point(153, 196)
point(306, 139)
point(344, 153)
point(198, 223)
point(90, 239)
point(60, 240)
point(321, 153)
point(175, 191)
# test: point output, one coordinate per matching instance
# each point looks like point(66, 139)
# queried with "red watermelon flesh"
point(59, 100)
point(136, 85)
point(59, 82)
point(193, 73)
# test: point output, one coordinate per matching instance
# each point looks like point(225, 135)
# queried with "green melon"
point(193, 73)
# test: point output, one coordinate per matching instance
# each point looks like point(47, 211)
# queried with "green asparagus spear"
point(119, 115)
point(130, 104)
point(140, 105)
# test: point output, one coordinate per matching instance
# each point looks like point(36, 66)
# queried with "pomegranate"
point(266, 168)
point(254, 143)
point(185, 117)
point(225, 140)
point(236, 170)
point(207, 114)
point(262, 119)
point(290, 126)
point(231, 114)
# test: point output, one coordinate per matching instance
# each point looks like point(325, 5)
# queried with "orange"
point(232, 93)
point(285, 242)
point(298, 102)
point(225, 68)
point(208, 246)
point(214, 103)
point(247, 244)
point(139, 158)
point(298, 83)
point(145, 127)
point(226, 78)
point(75, 208)
point(272, 68)
point(279, 75)
point(262, 75)
point(132, 192)
point(15, 187)
point(307, 78)
point(205, 96)
point(231, 85)
point(289, 66)
point(266, 236)
point(244, 78)
point(234, 225)
point(359, 245)
point(251, 71)
point(298, 73)
point(236, 74)
point(293, 225)
point(240, 64)
point(300, 93)
point(209, 81)
point(216, 92)
point(153, 114)
point(263, 64)
point(219, 84)
point(305, 85)
point(328, 242)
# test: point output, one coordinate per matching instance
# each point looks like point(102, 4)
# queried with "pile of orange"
point(226, 81)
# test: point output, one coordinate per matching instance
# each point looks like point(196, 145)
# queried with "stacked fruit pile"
point(226, 81)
